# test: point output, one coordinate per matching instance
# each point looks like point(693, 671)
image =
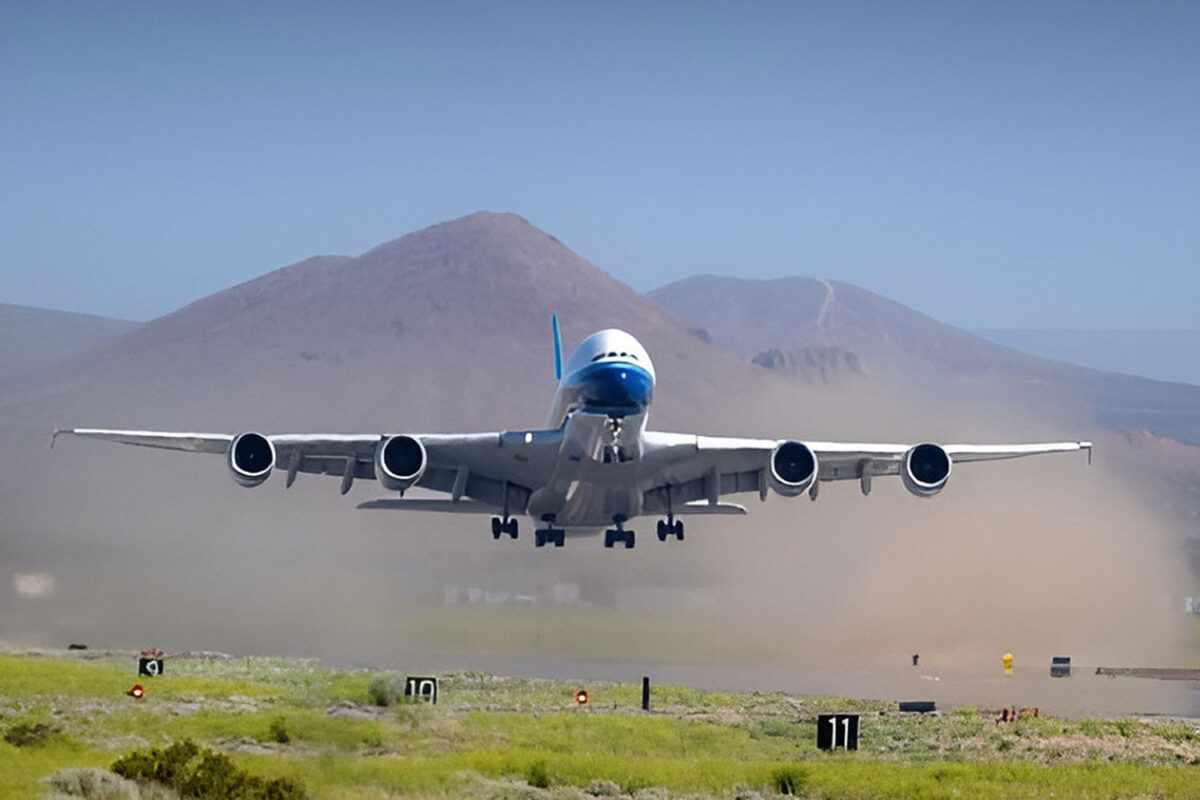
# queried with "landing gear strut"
point(670, 527)
point(550, 535)
point(506, 526)
point(619, 534)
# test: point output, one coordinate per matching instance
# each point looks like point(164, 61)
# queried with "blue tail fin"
point(557, 347)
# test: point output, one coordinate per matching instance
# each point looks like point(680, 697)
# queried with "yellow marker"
point(1008, 661)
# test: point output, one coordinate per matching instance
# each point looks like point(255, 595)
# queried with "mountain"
point(32, 338)
point(1159, 355)
point(899, 344)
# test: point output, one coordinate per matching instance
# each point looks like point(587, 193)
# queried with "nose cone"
point(616, 387)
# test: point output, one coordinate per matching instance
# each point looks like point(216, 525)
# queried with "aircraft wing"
point(706, 468)
point(496, 469)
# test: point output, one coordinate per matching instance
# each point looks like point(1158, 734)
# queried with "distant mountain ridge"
point(1169, 355)
point(32, 338)
point(888, 338)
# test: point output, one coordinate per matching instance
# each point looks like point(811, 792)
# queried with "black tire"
point(662, 531)
point(609, 538)
point(497, 527)
point(630, 539)
point(539, 538)
point(560, 538)
point(679, 530)
point(511, 528)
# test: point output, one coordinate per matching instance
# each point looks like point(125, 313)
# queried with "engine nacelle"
point(251, 458)
point(926, 469)
point(400, 462)
point(793, 468)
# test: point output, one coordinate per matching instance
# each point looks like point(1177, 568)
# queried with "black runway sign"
point(150, 667)
point(421, 689)
point(837, 731)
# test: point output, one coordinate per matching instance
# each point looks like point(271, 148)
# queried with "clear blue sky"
point(998, 164)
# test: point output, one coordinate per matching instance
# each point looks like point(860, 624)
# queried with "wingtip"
point(55, 434)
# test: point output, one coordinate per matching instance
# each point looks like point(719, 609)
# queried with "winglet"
point(56, 433)
point(557, 347)
point(1087, 446)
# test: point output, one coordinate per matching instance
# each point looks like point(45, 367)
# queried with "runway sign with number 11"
point(837, 731)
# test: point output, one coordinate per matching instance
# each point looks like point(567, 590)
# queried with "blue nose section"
point(615, 387)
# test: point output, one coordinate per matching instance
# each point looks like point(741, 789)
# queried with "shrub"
point(28, 734)
point(92, 784)
point(192, 772)
point(382, 691)
point(279, 732)
point(538, 776)
point(789, 780)
point(775, 728)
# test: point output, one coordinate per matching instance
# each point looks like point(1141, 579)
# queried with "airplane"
point(596, 466)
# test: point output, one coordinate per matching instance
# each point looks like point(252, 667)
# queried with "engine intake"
point(926, 469)
point(400, 462)
point(251, 459)
point(793, 468)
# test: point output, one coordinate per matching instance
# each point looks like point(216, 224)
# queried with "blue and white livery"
point(594, 467)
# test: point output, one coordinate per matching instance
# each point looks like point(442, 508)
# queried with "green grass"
point(510, 729)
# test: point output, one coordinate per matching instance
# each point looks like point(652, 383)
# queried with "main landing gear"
point(614, 535)
point(501, 527)
point(670, 527)
point(551, 535)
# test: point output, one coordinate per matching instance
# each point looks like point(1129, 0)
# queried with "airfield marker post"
point(645, 693)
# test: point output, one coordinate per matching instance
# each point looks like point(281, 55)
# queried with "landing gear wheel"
point(560, 538)
point(610, 538)
point(630, 539)
point(510, 528)
point(497, 528)
point(668, 528)
point(539, 538)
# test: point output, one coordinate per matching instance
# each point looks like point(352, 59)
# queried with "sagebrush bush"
point(789, 780)
point(382, 691)
point(538, 776)
point(28, 734)
point(279, 731)
point(193, 772)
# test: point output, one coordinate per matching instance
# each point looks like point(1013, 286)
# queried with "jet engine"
point(793, 468)
point(251, 458)
point(926, 469)
point(400, 462)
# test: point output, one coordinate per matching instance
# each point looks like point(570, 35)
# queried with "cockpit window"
point(612, 355)
point(598, 357)
point(634, 357)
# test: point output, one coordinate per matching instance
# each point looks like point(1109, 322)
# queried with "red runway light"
point(581, 697)
point(137, 692)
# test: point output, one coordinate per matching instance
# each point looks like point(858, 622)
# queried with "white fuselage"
point(602, 404)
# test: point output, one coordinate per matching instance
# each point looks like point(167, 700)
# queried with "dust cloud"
point(1039, 557)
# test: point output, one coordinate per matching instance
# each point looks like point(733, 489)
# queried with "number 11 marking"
point(845, 732)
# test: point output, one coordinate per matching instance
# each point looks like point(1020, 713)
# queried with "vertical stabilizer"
point(557, 347)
